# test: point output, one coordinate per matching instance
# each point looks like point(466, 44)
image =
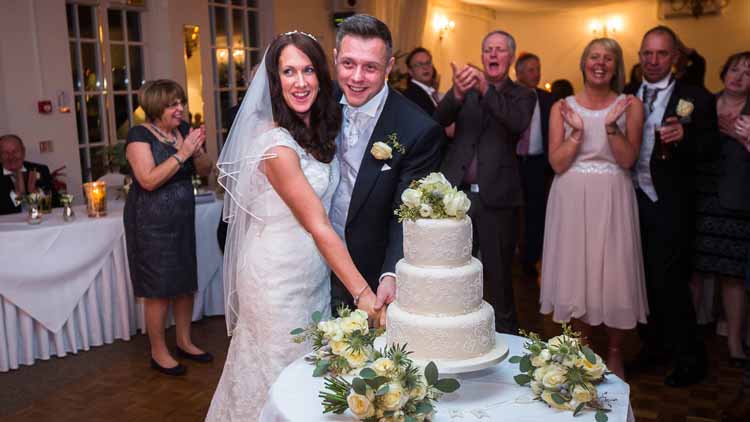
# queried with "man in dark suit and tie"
point(684, 117)
point(534, 165)
point(370, 188)
point(490, 112)
point(20, 177)
point(419, 88)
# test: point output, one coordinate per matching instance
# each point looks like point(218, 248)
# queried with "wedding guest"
point(490, 112)
point(561, 88)
point(685, 118)
point(20, 177)
point(159, 219)
point(419, 87)
point(592, 271)
point(722, 241)
point(535, 170)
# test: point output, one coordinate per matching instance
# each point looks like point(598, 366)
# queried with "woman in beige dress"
point(592, 269)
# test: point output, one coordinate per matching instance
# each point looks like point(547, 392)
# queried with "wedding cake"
point(438, 311)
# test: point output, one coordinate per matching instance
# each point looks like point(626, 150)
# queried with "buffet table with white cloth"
point(487, 395)
point(65, 286)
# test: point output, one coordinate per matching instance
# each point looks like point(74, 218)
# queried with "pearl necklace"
point(166, 139)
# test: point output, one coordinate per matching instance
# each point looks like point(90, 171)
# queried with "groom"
point(370, 187)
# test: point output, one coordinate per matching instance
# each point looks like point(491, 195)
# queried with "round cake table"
point(487, 395)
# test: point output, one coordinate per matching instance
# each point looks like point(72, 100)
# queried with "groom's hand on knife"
point(386, 294)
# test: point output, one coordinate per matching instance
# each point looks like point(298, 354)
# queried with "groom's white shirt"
point(351, 144)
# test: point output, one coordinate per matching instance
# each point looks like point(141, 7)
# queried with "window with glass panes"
point(235, 49)
point(106, 55)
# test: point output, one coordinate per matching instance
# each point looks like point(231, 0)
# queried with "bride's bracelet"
point(356, 297)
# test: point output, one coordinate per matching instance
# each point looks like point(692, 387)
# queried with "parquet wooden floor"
point(114, 382)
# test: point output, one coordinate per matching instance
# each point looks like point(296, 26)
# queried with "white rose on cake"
point(425, 210)
point(456, 203)
point(435, 178)
point(411, 198)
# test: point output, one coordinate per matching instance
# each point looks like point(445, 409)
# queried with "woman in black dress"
point(160, 219)
point(723, 201)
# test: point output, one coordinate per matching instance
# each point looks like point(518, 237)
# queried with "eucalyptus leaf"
point(316, 316)
point(367, 373)
point(408, 418)
point(522, 379)
point(321, 368)
point(514, 359)
point(590, 356)
point(525, 364)
point(376, 382)
point(297, 331)
point(383, 389)
point(601, 416)
point(431, 373)
point(424, 407)
point(359, 386)
point(558, 398)
point(447, 385)
point(578, 409)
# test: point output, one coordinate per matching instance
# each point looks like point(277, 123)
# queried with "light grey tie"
point(649, 98)
point(354, 120)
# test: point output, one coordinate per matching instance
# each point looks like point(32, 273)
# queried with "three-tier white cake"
point(439, 311)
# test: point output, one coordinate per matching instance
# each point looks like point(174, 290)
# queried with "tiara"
point(301, 33)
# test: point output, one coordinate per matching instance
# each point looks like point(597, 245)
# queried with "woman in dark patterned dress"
point(160, 219)
point(723, 216)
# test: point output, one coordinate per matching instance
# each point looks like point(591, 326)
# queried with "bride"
point(279, 171)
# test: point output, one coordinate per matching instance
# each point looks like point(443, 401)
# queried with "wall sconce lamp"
point(610, 28)
point(442, 25)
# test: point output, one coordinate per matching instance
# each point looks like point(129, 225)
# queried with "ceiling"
point(537, 6)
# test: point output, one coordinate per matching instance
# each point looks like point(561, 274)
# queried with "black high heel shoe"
point(174, 371)
point(204, 357)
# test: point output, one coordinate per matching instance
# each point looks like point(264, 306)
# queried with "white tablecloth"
point(488, 395)
point(65, 287)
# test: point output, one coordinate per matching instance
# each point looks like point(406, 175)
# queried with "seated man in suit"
point(19, 176)
point(419, 89)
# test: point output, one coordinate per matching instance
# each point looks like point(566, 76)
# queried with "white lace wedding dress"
point(282, 279)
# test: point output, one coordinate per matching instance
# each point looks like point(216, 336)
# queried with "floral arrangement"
point(563, 372)
point(383, 150)
point(341, 345)
point(432, 197)
point(390, 388)
point(66, 199)
point(32, 199)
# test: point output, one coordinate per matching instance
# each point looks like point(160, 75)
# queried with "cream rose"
point(381, 151)
point(456, 203)
point(536, 387)
point(540, 372)
point(547, 397)
point(684, 108)
point(583, 394)
point(418, 392)
point(360, 405)
point(541, 359)
point(554, 377)
point(338, 347)
point(383, 366)
point(394, 398)
point(425, 210)
point(350, 324)
point(411, 198)
point(356, 359)
point(434, 178)
point(594, 370)
point(556, 342)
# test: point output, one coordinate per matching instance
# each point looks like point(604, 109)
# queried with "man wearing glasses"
point(420, 88)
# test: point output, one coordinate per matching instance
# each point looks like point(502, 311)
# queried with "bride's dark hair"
point(319, 139)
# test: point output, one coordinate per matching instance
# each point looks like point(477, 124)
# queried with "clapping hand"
point(194, 141)
point(742, 128)
point(617, 111)
point(463, 80)
point(570, 116)
point(672, 130)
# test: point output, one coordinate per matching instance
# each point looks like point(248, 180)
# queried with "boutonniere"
point(685, 108)
point(383, 150)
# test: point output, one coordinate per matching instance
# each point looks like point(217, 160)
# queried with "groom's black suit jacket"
point(373, 234)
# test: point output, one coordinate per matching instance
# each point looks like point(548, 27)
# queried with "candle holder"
point(33, 209)
point(96, 198)
point(67, 202)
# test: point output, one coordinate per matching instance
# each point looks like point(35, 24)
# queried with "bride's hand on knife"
point(367, 303)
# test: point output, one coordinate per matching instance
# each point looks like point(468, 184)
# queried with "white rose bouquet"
point(389, 389)
point(432, 197)
point(341, 345)
point(563, 373)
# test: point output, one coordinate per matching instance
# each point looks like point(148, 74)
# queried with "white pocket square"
point(385, 167)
